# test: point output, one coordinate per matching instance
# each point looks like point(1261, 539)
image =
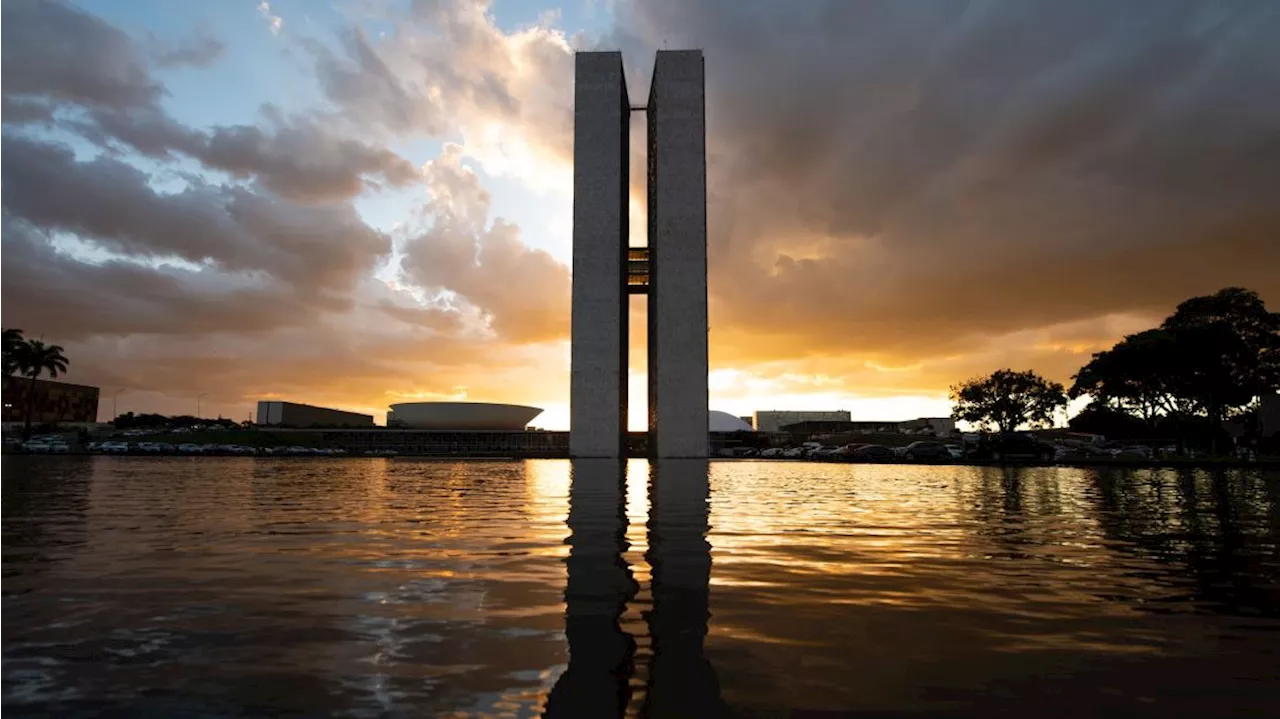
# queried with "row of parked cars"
point(923, 451)
point(192, 448)
point(53, 444)
point(992, 449)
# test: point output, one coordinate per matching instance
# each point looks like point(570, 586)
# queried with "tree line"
point(1208, 362)
point(30, 359)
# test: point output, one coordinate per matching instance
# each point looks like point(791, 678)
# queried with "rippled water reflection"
point(242, 587)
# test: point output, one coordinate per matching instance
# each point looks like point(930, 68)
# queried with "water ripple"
point(384, 588)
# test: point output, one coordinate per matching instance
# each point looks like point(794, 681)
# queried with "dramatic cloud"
point(55, 50)
point(448, 70)
point(299, 158)
point(63, 58)
point(319, 250)
point(54, 293)
point(900, 181)
point(260, 284)
point(902, 193)
point(523, 292)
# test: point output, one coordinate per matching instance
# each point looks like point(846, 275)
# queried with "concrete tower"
point(671, 270)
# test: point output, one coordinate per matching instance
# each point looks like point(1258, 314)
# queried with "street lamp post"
point(198, 398)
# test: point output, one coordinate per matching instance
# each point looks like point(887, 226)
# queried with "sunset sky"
point(363, 202)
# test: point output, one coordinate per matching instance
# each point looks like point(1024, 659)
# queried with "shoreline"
point(1267, 463)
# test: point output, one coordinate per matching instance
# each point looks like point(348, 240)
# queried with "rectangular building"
point(601, 169)
point(937, 426)
point(678, 363)
point(775, 420)
point(292, 414)
point(930, 426)
point(54, 401)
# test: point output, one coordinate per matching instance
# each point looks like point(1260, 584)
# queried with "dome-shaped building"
point(724, 422)
point(460, 416)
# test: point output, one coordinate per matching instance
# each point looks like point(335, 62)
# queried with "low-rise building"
point(775, 420)
point(937, 426)
point(54, 401)
point(272, 413)
point(932, 426)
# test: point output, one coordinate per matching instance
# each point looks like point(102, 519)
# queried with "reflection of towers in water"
point(602, 656)
point(681, 680)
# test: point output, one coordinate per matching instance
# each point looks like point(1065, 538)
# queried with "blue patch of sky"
point(257, 66)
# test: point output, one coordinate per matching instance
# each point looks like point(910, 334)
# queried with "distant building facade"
point(775, 420)
point(54, 401)
point(292, 414)
point(932, 426)
point(937, 426)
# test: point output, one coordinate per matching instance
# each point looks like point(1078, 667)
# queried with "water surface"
point(398, 587)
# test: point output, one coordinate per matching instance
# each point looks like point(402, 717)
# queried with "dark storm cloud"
point(19, 111)
point(895, 177)
point(297, 158)
point(53, 49)
point(303, 161)
point(59, 57)
point(318, 249)
point(51, 292)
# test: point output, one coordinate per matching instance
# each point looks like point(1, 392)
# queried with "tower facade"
point(671, 270)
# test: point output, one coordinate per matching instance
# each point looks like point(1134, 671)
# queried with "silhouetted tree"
point(1008, 400)
point(34, 358)
point(1139, 376)
point(1211, 359)
point(1227, 348)
point(1110, 422)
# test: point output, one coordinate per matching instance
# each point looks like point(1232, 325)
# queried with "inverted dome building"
point(463, 416)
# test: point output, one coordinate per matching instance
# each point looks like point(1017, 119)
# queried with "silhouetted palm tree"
point(33, 358)
point(9, 343)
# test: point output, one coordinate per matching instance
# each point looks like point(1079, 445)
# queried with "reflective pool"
point(398, 587)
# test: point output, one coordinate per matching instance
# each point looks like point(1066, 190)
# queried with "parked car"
point(1136, 451)
point(1078, 452)
point(771, 452)
point(47, 446)
point(793, 452)
point(956, 451)
point(1002, 448)
point(826, 452)
point(926, 451)
point(873, 453)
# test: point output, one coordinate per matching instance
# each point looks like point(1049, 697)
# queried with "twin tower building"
point(670, 269)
